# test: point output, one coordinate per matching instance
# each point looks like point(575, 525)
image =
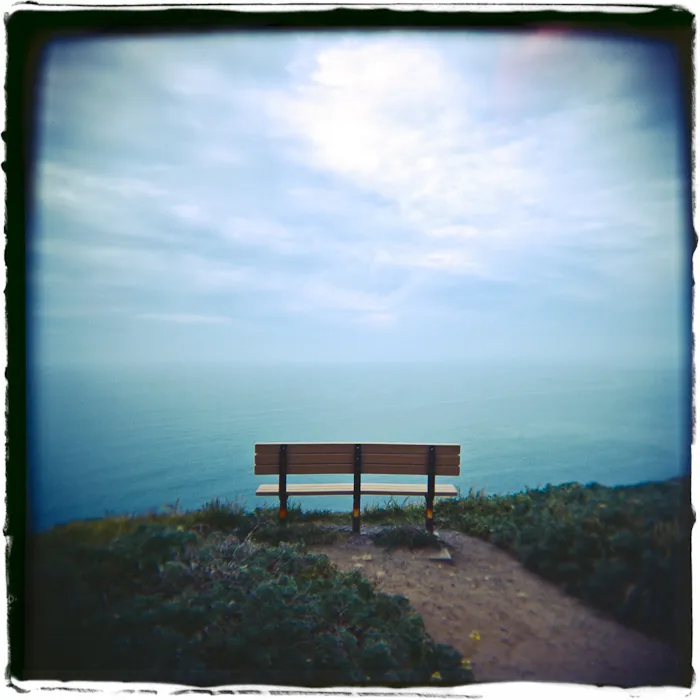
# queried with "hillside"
point(222, 595)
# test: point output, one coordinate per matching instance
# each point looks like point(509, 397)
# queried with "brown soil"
point(528, 629)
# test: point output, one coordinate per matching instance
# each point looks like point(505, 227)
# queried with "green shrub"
point(164, 604)
point(410, 536)
point(625, 550)
point(275, 533)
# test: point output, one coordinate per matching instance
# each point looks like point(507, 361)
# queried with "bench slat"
point(347, 448)
point(371, 468)
point(347, 489)
point(294, 458)
point(309, 448)
point(385, 449)
point(338, 458)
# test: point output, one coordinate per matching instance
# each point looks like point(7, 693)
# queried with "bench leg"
point(357, 490)
point(429, 523)
point(430, 495)
point(283, 510)
point(283, 484)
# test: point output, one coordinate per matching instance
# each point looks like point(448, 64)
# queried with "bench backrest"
point(339, 458)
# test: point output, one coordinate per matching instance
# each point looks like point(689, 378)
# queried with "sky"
point(388, 196)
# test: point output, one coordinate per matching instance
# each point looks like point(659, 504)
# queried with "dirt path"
point(528, 629)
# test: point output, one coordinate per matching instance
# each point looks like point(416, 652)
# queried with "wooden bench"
point(357, 459)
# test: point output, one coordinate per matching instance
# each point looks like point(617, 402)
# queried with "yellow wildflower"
point(436, 676)
point(475, 636)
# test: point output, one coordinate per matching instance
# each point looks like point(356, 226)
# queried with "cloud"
point(451, 260)
point(405, 121)
point(78, 312)
point(185, 318)
point(454, 232)
point(59, 183)
point(261, 232)
point(378, 320)
point(369, 181)
point(96, 205)
point(393, 117)
point(321, 294)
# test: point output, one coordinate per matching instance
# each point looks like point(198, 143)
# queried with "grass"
point(395, 513)
point(304, 527)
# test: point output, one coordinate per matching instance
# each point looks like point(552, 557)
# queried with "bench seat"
point(447, 490)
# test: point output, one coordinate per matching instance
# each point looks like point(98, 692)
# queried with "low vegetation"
point(218, 597)
point(624, 550)
point(406, 535)
point(226, 596)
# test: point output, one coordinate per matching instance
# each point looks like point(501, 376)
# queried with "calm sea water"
point(129, 439)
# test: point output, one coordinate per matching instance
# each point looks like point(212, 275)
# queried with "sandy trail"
point(528, 629)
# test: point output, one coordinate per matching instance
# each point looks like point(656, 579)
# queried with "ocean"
point(127, 439)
